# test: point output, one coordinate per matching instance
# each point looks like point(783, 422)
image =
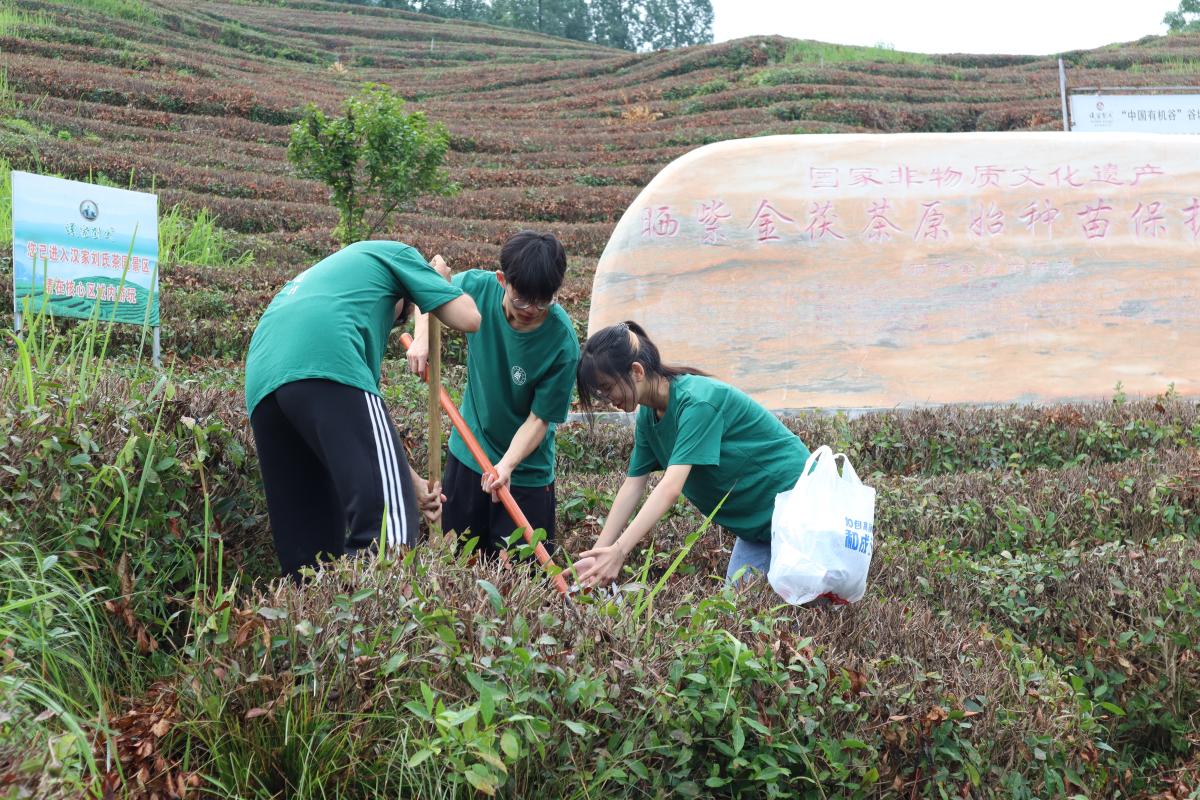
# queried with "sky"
point(1036, 27)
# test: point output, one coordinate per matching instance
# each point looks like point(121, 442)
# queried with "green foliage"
point(8, 98)
point(1184, 19)
point(197, 240)
point(13, 20)
point(588, 179)
point(236, 35)
point(124, 9)
point(476, 684)
point(687, 90)
point(626, 24)
point(812, 52)
point(6, 229)
point(376, 157)
point(668, 24)
point(56, 650)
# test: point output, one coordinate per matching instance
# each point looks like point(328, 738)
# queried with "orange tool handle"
point(506, 498)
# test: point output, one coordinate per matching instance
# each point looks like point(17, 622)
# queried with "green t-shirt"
point(333, 320)
point(511, 373)
point(733, 444)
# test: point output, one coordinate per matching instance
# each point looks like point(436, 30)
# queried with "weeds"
point(197, 240)
point(13, 20)
point(123, 9)
point(812, 52)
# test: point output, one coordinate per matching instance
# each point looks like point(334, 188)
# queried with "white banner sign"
point(81, 249)
point(1130, 113)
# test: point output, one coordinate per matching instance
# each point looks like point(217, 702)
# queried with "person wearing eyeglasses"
point(520, 374)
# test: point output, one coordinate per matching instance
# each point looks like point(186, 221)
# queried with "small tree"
point(1184, 18)
point(375, 156)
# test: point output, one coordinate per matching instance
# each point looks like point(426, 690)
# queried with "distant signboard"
point(869, 271)
point(1127, 113)
point(75, 251)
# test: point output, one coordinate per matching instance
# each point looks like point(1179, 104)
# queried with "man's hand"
point(439, 264)
point(418, 356)
point(430, 499)
point(493, 481)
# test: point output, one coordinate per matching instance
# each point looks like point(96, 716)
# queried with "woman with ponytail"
point(711, 441)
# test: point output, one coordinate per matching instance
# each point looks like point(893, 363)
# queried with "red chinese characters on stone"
point(1025, 176)
point(710, 216)
point(1094, 224)
point(657, 223)
point(823, 177)
point(766, 218)
point(905, 176)
point(1191, 218)
point(821, 218)
point(988, 221)
point(879, 227)
point(945, 177)
point(1147, 220)
point(1066, 176)
point(1144, 172)
point(1034, 215)
point(864, 176)
point(931, 227)
point(1107, 173)
point(988, 176)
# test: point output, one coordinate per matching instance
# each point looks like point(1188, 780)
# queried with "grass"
point(13, 20)
point(1176, 65)
point(58, 650)
point(6, 229)
point(125, 9)
point(821, 53)
point(8, 98)
point(183, 238)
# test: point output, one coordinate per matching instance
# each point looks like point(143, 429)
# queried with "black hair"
point(534, 265)
point(406, 312)
point(611, 352)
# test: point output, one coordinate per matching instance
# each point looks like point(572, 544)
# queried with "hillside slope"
point(195, 100)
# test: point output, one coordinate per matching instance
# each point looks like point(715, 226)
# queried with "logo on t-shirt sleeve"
point(518, 376)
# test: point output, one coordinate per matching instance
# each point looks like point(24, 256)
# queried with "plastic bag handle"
point(847, 468)
point(812, 457)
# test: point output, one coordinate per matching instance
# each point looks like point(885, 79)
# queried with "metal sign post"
point(1062, 90)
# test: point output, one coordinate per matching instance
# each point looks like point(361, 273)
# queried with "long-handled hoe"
point(506, 498)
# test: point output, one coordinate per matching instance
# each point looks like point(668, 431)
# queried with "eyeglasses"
point(525, 305)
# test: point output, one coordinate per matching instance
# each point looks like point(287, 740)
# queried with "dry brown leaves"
point(122, 610)
point(141, 771)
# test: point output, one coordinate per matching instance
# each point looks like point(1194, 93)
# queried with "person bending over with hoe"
point(708, 438)
point(520, 371)
point(331, 460)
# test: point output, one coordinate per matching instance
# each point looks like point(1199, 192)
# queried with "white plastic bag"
point(822, 533)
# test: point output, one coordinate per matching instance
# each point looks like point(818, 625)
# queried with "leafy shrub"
point(479, 682)
point(375, 153)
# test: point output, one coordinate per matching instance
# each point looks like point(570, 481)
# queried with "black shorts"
point(470, 511)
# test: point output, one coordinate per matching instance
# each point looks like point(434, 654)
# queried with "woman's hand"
point(493, 481)
point(605, 567)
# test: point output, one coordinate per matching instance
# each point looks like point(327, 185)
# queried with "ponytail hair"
point(611, 352)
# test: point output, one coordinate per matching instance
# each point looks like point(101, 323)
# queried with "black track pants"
point(331, 464)
point(470, 510)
